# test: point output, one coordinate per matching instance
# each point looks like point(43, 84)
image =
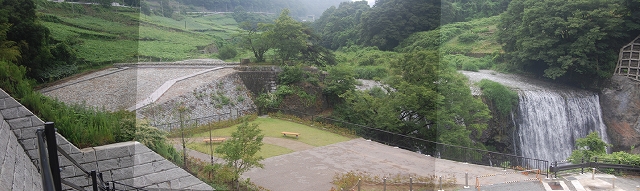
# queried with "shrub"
point(371, 72)
point(470, 66)
point(290, 75)
point(468, 37)
point(227, 52)
point(501, 97)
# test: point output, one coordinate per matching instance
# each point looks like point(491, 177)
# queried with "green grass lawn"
point(272, 127)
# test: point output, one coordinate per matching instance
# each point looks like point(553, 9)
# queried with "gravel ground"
point(113, 91)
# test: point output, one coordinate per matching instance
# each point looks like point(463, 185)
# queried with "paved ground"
point(314, 169)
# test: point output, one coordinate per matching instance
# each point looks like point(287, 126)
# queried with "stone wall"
point(17, 172)
point(620, 108)
point(221, 99)
point(258, 80)
point(130, 163)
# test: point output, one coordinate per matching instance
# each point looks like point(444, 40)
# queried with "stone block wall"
point(17, 172)
point(129, 163)
point(203, 104)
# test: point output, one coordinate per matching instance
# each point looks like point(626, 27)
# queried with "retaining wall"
point(203, 105)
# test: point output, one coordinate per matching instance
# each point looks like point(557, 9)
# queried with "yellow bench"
point(215, 140)
point(290, 133)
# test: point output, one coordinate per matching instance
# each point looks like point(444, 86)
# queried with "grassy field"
point(271, 128)
point(105, 36)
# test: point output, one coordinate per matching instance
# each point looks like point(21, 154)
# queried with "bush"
point(470, 66)
point(227, 52)
point(501, 97)
point(290, 75)
point(468, 37)
point(371, 72)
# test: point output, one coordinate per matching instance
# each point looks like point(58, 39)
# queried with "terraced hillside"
point(121, 34)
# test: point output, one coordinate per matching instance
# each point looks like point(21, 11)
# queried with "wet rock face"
point(620, 102)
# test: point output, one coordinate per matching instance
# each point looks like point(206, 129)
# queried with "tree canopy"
point(390, 21)
point(27, 42)
point(425, 98)
point(573, 41)
point(337, 26)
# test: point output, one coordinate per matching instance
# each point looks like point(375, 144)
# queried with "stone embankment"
point(130, 163)
point(207, 89)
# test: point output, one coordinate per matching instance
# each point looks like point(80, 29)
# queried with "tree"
point(335, 26)
point(20, 29)
point(390, 21)
point(256, 41)
point(426, 99)
point(575, 41)
point(240, 151)
point(287, 36)
point(588, 147)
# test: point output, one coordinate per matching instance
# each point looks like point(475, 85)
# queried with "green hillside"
point(119, 34)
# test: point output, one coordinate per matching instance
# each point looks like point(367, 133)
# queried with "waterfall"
point(549, 122)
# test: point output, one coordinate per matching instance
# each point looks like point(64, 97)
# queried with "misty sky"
point(371, 2)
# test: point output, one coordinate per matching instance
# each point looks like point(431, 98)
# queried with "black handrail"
point(595, 163)
point(50, 166)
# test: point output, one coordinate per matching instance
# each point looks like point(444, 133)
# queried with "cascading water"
point(549, 117)
point(550, 121)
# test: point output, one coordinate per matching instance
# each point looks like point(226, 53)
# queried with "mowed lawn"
point(272, 128)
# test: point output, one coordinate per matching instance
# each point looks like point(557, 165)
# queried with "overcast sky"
point(371, 2)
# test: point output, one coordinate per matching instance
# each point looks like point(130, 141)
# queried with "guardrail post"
point(359, 183)
point(384, 183)
point(52, 149)
point(593, 173)
point(466, 180)
point(555, 173)
point(45, 173)
point(582, 166)
point(440, 181)
point(613, 182)
point(410, 183)
point(94, 180)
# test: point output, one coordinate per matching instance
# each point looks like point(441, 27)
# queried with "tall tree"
point(287, 36)
point(571, 41)
point(256, 41)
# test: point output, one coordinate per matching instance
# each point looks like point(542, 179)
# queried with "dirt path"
point(286, 143)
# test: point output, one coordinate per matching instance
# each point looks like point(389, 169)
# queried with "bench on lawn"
point(290, 133)
point(215, 140)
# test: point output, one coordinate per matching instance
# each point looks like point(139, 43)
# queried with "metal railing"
point(429, 147)
point(48, 149)
point(596, 163)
